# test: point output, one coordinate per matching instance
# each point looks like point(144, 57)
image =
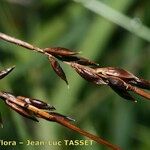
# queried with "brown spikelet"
point(57, 68)
point(120, 87)
point(88, 74)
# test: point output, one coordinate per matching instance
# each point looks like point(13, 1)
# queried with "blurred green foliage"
point(49, 23)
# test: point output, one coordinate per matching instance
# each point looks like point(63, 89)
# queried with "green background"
point(97, 109)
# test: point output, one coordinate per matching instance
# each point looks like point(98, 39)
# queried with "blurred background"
point(103, 33)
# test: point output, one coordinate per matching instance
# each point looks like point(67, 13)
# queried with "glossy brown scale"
point(37, 103)
point(117, 72)
point(88, 75)
point(77, 60)
point(59, 51)
point(57, 68)
point(120, 87)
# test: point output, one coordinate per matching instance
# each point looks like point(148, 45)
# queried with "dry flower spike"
point(121, 81)
point(33, 109)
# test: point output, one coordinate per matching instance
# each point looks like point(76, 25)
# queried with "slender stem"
point(87, 134)
point(20, 43)
point(67, 124)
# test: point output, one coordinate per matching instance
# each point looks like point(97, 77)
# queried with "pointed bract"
point(57, 68)
point(77, 60)
point(124, 94)
point(120, 87)
point(59, 51)
point(88, 75)
point(86, 62)
point(116, 72)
